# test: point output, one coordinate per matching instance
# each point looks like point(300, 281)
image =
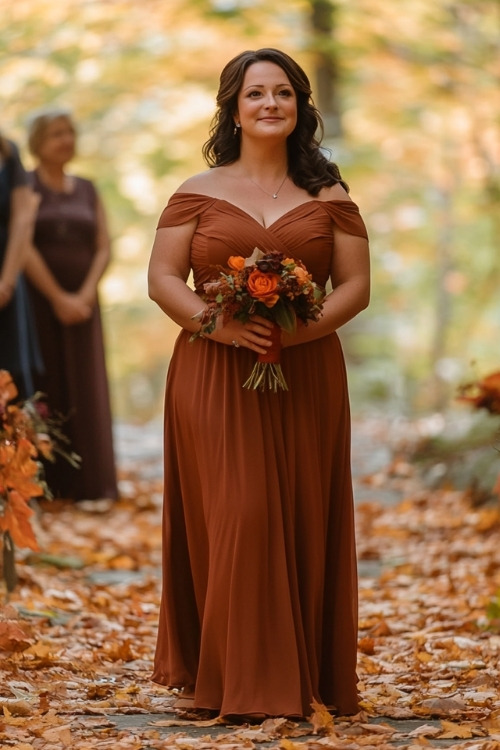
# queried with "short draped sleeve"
point(182, 207)
point(345, 214)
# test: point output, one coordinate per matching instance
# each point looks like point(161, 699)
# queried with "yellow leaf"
point(423, 656)
point(40, 650)
point(321, 718)
point(455, 731)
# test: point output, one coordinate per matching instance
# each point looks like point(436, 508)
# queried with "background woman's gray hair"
point(38, 122)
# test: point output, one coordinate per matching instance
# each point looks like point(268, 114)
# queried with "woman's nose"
point(271, 101)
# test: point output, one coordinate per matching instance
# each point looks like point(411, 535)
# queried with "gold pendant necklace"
point(271, 195)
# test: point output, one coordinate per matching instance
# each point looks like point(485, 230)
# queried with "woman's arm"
point(168, 272)
point(350, 277)
point(24, 204)
point(88, 291)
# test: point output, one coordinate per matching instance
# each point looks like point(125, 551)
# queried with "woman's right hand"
point(70, 309)
point(253, 334)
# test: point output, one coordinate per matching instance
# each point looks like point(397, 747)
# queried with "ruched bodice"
point(224, 229)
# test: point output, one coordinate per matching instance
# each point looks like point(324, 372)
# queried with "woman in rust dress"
point(259, 606)
point(71, 252)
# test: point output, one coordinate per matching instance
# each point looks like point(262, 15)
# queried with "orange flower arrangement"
point(270, 285)
point(26, 434)
point(484, 394)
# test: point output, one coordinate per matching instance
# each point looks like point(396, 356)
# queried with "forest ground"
point(78, 634)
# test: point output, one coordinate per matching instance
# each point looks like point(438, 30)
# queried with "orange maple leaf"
point(19, 470)
point(16, 521)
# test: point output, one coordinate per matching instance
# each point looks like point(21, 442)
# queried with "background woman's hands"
point(252, 335)
point(70, 309)
point(6, 292)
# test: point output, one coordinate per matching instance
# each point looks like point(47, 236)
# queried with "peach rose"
point(236, 262)
point(301, 274)
point(262, 286)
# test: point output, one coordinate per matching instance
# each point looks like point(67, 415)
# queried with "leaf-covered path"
point(77, 637)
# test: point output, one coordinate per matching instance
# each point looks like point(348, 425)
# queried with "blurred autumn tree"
point(410, 98)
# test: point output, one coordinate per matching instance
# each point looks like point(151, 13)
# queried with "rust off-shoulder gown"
point(259, 602)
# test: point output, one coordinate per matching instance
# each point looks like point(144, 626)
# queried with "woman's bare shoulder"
point(334, 193)
point(206, 182)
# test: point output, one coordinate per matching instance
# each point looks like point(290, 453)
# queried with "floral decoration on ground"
point(27, 434)
point(484, 393)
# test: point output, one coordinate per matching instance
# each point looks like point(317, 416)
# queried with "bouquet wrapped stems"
point(267, 372)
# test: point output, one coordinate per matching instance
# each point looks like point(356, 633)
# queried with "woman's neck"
point(267, 164)
point(54, 177)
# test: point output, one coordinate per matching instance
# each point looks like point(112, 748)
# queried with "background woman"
point(259, 606)
point(70, 254)
point(18, 348)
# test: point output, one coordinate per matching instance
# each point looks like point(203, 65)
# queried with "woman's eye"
point(285, 92)
point(254, 94)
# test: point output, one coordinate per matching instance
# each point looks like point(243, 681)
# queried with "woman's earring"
point(236, 126)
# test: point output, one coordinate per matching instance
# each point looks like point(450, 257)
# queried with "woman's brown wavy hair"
point(308, 167)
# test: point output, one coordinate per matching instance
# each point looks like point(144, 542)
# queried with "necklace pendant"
point(275, 195)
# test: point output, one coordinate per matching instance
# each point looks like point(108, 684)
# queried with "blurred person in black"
point(19, 353)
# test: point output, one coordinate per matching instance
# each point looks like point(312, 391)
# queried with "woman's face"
point(58, 143)
point(267, 103)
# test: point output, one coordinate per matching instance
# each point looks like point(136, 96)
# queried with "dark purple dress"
point(75, 378)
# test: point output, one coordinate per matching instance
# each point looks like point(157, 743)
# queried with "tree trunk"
point(439, 394)
point(323, 46)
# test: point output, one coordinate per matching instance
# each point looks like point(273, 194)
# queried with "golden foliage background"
point(418, 96)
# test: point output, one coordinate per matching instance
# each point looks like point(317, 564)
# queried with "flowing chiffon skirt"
point(259, 601)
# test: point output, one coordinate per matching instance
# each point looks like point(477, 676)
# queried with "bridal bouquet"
point(270, 285)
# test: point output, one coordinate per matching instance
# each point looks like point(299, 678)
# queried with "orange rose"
point(262, 286)
point(236, 262)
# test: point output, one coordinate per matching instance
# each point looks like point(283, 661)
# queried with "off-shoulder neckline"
point(242, 210)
